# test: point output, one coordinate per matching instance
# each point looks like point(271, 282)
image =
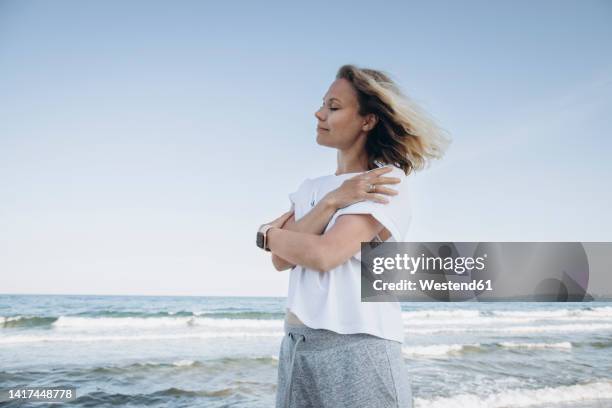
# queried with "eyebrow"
point(332, 99)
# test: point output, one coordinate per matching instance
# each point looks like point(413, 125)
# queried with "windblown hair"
point(404, 136)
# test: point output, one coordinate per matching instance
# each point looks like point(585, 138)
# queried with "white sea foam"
point(440, 313)
point(443, 350)
point(189, 363)
point(565, 345)
point(160, 322)
point(475, 317)
point(184, 363)
point(597, 312)
point(4, 319)
point(436, 350)
point(524, 397)
point(579, 327)
point(139, 337)
point(472, 321)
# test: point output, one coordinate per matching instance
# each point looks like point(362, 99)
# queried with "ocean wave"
point(176, 365)
point(522, 397)
point(127, 318)
point(589, 312)
point(243, 315)
point(444, 350)
point(565, 345)
point(138, 337)
point(136, 367)
point(99, 398)
point(155, 322)
point(513, 329)
point(238, 317)
point(601, 344)
point(227, 312)
point(440, 313)
point(475, 317)
point(439, 350)
point(144, 366)
point(471, 321)
point(12, 322)
point(130, 313)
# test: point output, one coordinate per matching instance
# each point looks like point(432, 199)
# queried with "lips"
point(322, 128)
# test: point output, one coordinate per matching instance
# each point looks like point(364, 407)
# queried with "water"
point(222, 351)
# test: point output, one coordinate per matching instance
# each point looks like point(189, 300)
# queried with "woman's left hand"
point(280, 221)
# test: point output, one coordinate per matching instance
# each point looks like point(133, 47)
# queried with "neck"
point(353, 160)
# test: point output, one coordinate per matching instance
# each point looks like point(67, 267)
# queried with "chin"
point(322, 142)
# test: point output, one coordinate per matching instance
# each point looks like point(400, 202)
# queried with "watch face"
point(260, 240)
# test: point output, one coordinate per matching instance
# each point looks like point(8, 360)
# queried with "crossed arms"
point(303, 242)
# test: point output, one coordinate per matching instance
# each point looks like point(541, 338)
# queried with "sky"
point(142, 143)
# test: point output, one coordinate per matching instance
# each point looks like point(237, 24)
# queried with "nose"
point(319, 115)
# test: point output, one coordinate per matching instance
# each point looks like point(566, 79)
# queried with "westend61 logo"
point(412, 264)
point(485, 271)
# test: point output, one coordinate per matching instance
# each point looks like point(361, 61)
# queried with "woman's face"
point(338, 120)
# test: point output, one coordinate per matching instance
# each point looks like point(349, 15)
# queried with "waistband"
point(323, 339)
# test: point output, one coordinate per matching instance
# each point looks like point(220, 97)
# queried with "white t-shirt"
point(332, 300)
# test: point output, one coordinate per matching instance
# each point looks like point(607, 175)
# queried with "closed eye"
point(330, 108)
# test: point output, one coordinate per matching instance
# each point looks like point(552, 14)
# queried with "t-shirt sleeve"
point(388, 217)
point(394, 216)
point(298, 194)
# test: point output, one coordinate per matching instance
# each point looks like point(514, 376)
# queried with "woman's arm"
point(314, 222)
point(327, 251)
point(352, 190)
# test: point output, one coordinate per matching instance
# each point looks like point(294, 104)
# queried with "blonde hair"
point(404, 136)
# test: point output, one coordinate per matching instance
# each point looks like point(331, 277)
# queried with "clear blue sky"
point(142, 143)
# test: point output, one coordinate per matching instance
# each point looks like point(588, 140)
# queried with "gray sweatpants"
point(322, 369)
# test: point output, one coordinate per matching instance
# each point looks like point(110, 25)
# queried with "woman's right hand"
point(366, 186)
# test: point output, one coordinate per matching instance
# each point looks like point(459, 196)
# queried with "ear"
point(369, 122)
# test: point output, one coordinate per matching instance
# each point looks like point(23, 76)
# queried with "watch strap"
point(263, 230)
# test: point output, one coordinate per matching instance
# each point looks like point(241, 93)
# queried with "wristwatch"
point(262, 237)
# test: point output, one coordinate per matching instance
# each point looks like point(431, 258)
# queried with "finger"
point(379, 171)
point(385, 180)
point(385, 190)
point(377, 198)
point(370, 174)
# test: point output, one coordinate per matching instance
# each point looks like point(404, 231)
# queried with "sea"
point(159, 351)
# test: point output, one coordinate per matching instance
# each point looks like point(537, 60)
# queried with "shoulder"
point(304, 183)
point(311, 183)
point(319, 179)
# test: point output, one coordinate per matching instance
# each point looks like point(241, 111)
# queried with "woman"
point(339, 351)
